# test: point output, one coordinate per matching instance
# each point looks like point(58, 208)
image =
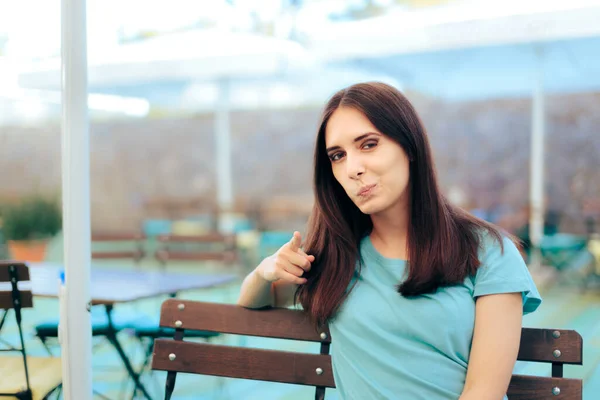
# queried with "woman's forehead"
point(345, 125)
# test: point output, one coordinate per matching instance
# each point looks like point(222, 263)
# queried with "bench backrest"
point(554, 346)
point(118, 245)
point(205, 247)
point(12, 275)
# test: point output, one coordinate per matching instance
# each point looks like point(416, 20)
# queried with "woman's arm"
point(275, 280)
point(257, 292)
point(496, 339)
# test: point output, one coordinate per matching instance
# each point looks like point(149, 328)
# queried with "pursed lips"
point(365, 189)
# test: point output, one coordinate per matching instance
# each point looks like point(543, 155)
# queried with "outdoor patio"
point(563, 307)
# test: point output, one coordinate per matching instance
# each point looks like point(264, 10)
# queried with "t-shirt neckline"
point(371, 252)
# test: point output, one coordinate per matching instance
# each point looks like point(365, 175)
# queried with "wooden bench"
point(134, 241)
point(214, 247)
point(23, 377)
point(554, 346)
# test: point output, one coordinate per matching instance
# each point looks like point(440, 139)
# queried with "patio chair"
point(553, 346)
point(215, 247)
point(23, 377)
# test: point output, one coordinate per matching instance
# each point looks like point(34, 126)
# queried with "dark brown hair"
point(443, 240)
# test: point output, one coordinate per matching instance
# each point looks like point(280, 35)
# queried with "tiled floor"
point(563, 307)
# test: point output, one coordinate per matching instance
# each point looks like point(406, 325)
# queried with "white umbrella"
point(456, 25)
point(192, 55)
point(211, 54)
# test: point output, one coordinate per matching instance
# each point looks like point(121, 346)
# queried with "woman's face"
point(372, 168)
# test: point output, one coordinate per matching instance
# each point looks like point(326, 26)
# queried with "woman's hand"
point(287, 264)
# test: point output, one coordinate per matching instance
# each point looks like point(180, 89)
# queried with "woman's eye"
point(369, 145)
point(335, 156)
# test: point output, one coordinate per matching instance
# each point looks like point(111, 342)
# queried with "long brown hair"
point(443, 240)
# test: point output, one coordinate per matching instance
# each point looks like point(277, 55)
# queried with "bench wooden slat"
point(166, 255)
point(524, 387)
point(300, 368)
point(228, 318)
point(117, 236)
point(539, 344)
point(244, 363)
point(206, 238)
point(117, 254)
point(22, 271)
point(6, 301)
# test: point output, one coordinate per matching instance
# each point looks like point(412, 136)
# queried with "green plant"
point(33, 218)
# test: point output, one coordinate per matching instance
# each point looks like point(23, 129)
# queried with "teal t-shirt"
point(386, 346)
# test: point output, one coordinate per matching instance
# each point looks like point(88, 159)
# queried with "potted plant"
point(29, 225)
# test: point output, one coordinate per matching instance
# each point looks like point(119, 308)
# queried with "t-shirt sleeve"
point(505, 272)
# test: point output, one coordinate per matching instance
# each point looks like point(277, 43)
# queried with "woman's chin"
point(369, 207)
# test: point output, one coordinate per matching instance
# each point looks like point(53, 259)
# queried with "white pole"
point(223, 156)
point(536, 221)
point(76, 200)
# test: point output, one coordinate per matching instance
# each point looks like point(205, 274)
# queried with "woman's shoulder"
point(502, 269)
point(496, 242)
point(499, 256)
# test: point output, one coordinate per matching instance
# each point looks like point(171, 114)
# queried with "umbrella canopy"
point(459, 25)
point(570, 65)
point(173, 61)
point(209, 54)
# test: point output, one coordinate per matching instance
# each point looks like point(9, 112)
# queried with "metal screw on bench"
point(319, 371)
point(181, 307)
point(178, 324)
point(556, 353)
point(323, 335)
point(172, 356)
point(556, 391)
point(556, 334)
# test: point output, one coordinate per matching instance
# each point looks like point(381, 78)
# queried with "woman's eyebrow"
point(357, 139)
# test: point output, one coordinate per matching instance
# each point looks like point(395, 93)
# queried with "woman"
point(423, 300)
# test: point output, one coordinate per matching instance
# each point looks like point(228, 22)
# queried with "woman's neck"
point(390, 234)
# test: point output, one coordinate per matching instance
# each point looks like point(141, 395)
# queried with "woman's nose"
point(355, 167)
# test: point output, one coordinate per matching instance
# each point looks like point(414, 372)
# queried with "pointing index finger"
point(296, 241)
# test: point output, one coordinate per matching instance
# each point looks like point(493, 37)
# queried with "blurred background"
point(203, 117)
